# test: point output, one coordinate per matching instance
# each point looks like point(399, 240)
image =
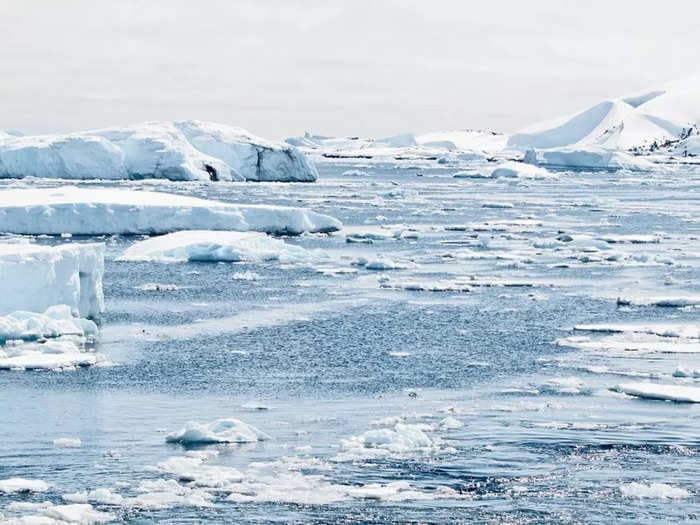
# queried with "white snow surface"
point(209, 246)
point(178, 150)
point(35, 278)
point(228, 430)
point(94, 211)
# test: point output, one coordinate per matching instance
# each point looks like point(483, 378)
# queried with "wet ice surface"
point(460, 354)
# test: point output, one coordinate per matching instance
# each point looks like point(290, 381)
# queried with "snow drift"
point(93, 211)
point(179, 150)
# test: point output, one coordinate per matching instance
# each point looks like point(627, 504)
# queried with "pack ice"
point(93, 211)
point(179, 150)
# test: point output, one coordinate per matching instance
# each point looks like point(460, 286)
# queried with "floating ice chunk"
point(157, 287)
point(56, 321)
point(589, 157)
point(668, 301)
point(451, 423)
point(355, 173)
point(497, 205)
point(100, 496)
point(681, 371)
point(653, 490)
point(680, 394)
point(12, 485)
point(79, 513)
point(164, 494)
point(64, 353)
point(221, 431)
point(379, 264)
point(210, 246)
point(94, 211)
point(67, 442)
point(513, 169)
point(389, 442)
point(245, 276)
point(35, 278)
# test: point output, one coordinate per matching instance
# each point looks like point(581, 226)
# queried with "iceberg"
point(210, 246)
point(35, 278)
point(178, 150)
point(94, 211)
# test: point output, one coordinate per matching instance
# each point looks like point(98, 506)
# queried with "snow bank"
point(207, 245)
point(221, 431)
point(680, 394)
point(35, 278)
point(180, 150)
point(93, 211)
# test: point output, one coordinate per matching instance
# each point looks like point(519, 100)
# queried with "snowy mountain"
point(180, 150)
point(642, 122)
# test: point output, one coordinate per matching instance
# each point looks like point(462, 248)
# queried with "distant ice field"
point(467, 349)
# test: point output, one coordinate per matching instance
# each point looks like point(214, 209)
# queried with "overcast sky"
point(279, 68)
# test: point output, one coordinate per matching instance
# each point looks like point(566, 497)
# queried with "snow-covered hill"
point(642, 122)
point(180, 150)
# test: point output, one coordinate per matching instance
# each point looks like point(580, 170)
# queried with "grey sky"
point(279, 68)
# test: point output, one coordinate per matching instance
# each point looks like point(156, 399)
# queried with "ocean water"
point(453, 389)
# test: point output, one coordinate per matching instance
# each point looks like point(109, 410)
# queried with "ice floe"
point(229, 430)
point(226, 246)
point(12, 485)
point(92, 211)
point(398, 440)
point(179, 150)
point(67, 442)
point(653, 490)
point(513, 169)
point(47, 513)
point(661, 392)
